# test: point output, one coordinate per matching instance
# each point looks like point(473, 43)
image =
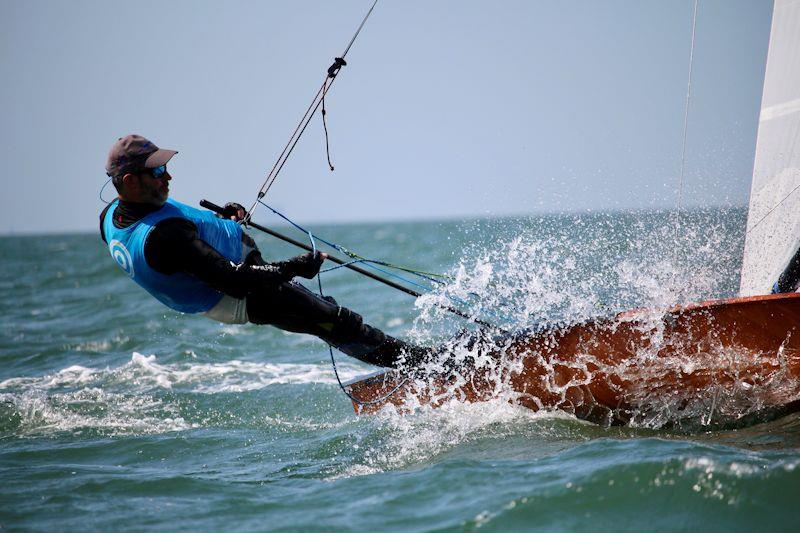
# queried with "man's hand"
point(307, 265)
point(234, 211)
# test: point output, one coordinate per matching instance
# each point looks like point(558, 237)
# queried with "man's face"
point(146, 188)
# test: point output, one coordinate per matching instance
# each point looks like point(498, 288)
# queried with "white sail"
point(773, 222)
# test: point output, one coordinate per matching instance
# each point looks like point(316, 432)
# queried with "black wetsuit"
point(272, 298)
point(790, 278)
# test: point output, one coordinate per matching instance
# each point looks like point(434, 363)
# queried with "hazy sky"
point(447, 108)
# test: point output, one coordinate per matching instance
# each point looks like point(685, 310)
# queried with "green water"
point(117, 413)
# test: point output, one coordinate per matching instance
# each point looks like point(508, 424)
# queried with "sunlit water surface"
point(118, 413)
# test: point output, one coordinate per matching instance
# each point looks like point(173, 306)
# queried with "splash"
point(396, 442)
point(572, 268)
point(560, 288)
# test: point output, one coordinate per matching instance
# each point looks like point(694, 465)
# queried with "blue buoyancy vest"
point(180, 291)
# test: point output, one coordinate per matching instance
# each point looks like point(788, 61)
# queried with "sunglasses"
point(158, 172)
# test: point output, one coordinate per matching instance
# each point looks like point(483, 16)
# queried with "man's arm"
point(174, 246)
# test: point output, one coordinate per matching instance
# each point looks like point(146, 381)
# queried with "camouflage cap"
point(134, 153)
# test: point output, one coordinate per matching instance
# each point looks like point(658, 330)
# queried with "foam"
point(126, 399)
point(144, 372)
point(93, 409)
point(407, 439)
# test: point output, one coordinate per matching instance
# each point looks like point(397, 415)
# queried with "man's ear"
point(130, 182)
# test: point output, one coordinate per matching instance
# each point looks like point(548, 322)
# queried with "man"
point(195, 262)
point(789, 279)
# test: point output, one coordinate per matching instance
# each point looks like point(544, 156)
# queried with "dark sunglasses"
point(158, 172)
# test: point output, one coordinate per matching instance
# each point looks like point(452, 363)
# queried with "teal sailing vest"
point(179, 291)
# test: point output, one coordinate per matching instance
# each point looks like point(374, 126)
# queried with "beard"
point(158, 195)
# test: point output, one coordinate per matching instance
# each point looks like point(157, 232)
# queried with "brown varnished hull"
point(720, 359)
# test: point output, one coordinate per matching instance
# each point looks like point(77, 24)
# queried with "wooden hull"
point(715, 361)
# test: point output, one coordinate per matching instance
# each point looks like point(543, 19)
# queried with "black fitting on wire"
point(338, 63)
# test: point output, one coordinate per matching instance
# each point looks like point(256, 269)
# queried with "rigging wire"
point(430, 276)
point(768, 213)
point(316, 102)
point(685, 130)
point(355, 400)
point(367, 262)
point(364, 21)
point(272, 175)
point(319, 99)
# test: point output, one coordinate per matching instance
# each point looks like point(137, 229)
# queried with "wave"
point(33, 413)
point(130, 399)
point(143, 373)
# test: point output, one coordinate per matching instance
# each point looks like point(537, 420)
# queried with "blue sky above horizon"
point(446, 109)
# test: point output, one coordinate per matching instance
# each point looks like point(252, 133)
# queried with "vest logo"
point(122, 256)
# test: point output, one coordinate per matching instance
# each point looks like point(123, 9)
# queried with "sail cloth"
point(773, 222)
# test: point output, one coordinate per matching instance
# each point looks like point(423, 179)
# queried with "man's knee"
point(348, 321)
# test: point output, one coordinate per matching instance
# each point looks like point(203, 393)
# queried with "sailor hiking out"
point(196, 262)
point(789, 280)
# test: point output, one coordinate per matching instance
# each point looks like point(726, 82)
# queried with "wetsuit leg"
point(292, 307)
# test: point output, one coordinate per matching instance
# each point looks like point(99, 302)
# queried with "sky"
point(446, 109)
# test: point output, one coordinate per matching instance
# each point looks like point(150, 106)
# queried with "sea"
point(117, 413)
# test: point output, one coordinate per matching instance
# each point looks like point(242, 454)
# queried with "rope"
point(359, 29)
point(685, 130)
point(325, 128)
point(319, 99)
point(367, 262)
point(773, 209)
point(333, 359)
point(316, 102)
point(430, 276)
point(103, 188)
point(358, 401)
point(290, 145)
point(343, 265)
